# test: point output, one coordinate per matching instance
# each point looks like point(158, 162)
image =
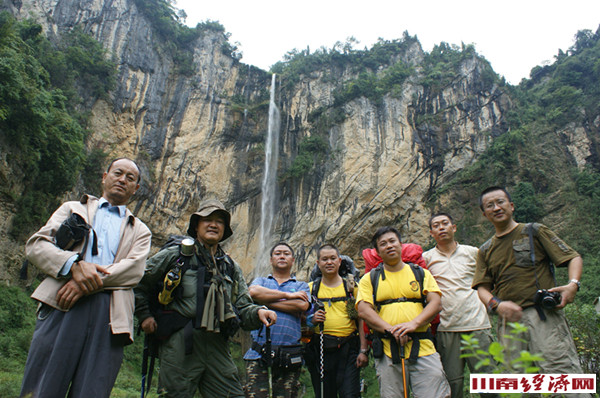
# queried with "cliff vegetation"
point(43, 121)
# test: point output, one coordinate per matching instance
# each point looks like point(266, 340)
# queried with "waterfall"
point(269, 186)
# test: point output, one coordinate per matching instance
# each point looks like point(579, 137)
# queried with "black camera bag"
point(70, 233)
point(289, 356)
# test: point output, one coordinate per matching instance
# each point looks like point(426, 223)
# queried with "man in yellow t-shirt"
point(397, 313)
point(344, 346)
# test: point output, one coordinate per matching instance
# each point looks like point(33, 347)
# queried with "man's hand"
point(86, 276)
point(567, 293)
point(401, 330)
point(362, 360)
point(267, 317)
point(68, 295)
point(319, 317)
point(301, 295)
point(510, 311)
point(149, 325)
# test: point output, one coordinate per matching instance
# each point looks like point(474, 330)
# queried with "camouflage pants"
point(286, 383)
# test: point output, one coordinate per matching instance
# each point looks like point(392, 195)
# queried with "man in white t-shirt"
point(453, 266)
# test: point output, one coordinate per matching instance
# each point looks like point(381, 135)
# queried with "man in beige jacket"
point(86, 307)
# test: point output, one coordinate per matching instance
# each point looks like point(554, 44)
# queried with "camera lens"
point(548, 302)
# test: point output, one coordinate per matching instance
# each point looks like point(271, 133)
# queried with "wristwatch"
point(493, 304)
point(575, 281)
point(364, 351)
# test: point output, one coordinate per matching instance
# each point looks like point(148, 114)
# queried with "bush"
point(17, 321)
point(585, 327)
point(497, 357)
point(528, 207)
point(311, 151)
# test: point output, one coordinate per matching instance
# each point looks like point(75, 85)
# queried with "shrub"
point(585, 327)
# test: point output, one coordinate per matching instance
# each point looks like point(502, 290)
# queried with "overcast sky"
point(513, 35)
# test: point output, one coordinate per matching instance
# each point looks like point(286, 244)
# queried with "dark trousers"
point(341, 377)
point(73, 352)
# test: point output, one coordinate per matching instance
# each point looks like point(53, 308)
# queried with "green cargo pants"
point(208, 368)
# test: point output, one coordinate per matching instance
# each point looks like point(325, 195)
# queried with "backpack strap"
point(375, 274)
point(532, 230)
point(317, 284)
point(314, 291)
point(348, 287)
point(419, 274)
point(416, 344)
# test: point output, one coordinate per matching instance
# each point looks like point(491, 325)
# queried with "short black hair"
point(492, 189)
point(131, 160)
point(327, 246)
point(382, 231)
point(281, 244)
point(440, 214)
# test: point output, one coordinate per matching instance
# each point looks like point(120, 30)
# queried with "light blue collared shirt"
point(107, 225)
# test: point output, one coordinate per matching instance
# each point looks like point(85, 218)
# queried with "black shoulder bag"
point(70, 233)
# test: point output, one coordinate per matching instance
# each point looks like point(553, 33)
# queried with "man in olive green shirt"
point(507, 283)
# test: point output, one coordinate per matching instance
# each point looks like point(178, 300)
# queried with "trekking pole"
point(320, 306)
point(144, 365)
point(403, 370)
point(321, 360)
point(269, 361)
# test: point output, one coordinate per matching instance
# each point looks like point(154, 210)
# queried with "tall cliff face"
point(387, 156)
point(189, 139)
point(201, 135)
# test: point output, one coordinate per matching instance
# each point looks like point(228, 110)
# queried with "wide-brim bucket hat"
point(206, 208)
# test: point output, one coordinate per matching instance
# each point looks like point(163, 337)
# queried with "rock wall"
point(385, 164)
point(201, 135)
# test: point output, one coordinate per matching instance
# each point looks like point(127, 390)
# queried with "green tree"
point(528, 208)
point(311, 150)
point(41, 128)
point(585, 327)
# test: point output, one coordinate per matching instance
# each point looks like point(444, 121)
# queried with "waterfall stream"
point(269, 186)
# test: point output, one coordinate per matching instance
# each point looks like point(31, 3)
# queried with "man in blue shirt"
point(86, 307)
point(289, 298)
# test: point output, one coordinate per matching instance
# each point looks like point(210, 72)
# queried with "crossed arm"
point(85, 280)
point(88, 278)
point(287, 302)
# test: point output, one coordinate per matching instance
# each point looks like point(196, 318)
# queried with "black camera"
point(546, 299)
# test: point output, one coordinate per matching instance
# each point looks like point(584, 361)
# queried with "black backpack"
point(378, 272)
point(347, 267)
point(419, 273)
point(349, 285)
point(347, 288)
